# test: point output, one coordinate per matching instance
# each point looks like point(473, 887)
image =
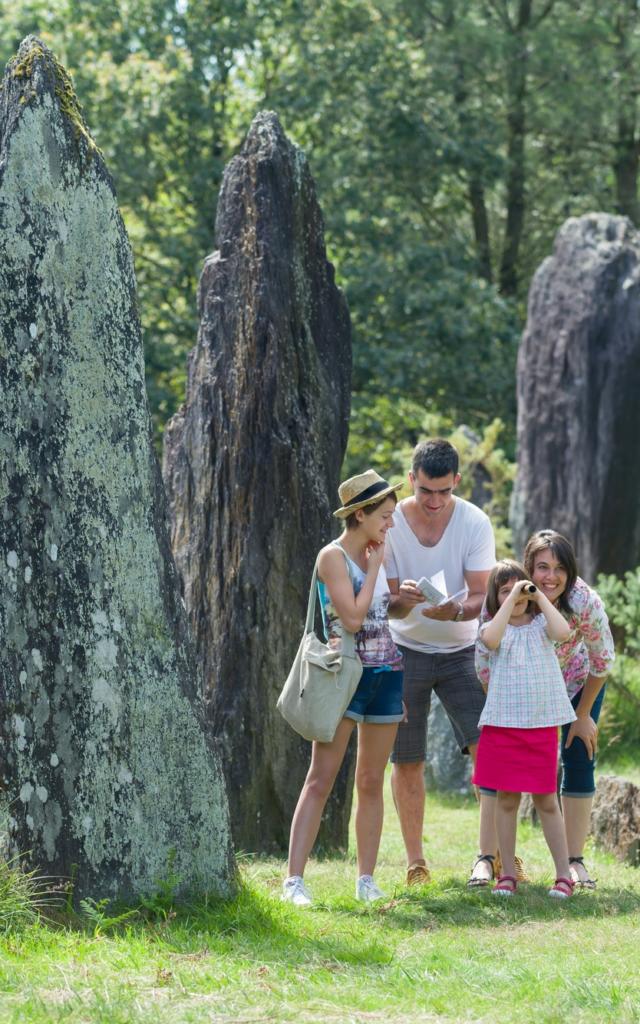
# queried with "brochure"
point(435, 590)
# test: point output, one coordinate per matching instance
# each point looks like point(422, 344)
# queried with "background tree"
point(449, 140)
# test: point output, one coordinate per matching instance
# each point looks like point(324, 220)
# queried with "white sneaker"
point(367, 890)
point(295, 891)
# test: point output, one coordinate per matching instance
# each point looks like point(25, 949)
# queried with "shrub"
point(621, 716)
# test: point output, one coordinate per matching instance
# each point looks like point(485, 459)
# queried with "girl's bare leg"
point(326, 759)
point(375, 743)
point(546, 804)
point(506, 826)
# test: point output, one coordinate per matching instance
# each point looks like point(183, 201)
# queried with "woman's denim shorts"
point(378, 698)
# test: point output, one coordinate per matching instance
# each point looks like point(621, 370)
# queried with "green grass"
point(438, 954)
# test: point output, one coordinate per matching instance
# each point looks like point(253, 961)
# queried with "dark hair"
point(562, 550)
point(502, 572)
point(352, 520)
point(435, 458)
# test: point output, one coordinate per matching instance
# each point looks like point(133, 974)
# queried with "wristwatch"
point(460, 612)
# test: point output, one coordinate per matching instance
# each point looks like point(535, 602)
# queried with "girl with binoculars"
point(526, 703)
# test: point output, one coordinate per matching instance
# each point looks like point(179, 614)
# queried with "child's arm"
point(494, 631)
point(558, 628)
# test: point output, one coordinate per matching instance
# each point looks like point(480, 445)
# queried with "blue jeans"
point(577, 767)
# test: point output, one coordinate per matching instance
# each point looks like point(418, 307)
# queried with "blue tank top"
point(374, 643)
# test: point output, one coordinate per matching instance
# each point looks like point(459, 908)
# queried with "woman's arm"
point(584, 726)
point(482, 654)
point(333, 572)
point(593, 624)
point(596, 633)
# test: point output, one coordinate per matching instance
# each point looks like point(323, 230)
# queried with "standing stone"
point(446, 769)
point(251, 466)
point(578, 408)
point(615, 818)
point(109, 774)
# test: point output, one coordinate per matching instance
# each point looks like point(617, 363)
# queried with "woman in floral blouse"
point(585, 659)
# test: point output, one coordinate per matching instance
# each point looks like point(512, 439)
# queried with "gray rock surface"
point(578, 385)
point(615, 818)
point(446, 769)
point(251, 466)
point(105, 758)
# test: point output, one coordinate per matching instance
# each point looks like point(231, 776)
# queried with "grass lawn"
point(440, 953)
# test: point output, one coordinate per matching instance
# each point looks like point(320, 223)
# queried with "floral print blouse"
point(588, 649)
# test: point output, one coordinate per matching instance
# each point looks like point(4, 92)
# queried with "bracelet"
point(460, 612)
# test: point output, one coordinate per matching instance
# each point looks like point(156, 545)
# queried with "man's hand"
point(586, 730)
point(410, 593)
point(442, 612)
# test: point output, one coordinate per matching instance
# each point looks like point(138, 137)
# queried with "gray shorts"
point(453, 677)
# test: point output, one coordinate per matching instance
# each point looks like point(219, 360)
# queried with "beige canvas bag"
point(322, 680)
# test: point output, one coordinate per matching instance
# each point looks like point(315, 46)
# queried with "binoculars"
point(529, 588)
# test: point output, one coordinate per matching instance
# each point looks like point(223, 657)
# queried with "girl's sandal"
point(476, 882)
point(583, 883)
point(505, 886)
point(562, 889)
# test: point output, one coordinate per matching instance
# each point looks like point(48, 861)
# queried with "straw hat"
point(362, 490)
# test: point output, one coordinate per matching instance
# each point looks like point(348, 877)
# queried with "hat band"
point(370, 492)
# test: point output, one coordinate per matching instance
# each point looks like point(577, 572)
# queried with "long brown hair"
point(502, 572)
point(562, 551)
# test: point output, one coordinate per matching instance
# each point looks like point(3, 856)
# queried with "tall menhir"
point(578, 408)
point(252, 465)
point(106, 765)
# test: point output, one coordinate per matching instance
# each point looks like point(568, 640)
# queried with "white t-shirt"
point(467, 545)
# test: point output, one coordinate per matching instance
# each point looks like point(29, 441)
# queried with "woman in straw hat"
point(354, 595)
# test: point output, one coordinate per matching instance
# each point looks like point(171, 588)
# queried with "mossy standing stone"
point(108, 771)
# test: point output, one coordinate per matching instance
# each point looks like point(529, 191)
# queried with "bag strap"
point(348, 639)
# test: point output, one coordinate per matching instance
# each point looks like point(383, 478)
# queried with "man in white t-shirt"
point(437, 534)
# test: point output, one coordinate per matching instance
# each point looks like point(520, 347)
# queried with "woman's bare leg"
point(577, 822)
point(375, 743)
point(326, 759)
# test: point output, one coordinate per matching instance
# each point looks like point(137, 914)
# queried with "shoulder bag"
point(322, 680)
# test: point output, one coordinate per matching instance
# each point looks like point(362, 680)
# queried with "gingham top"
point(589, 649)
point(526, 687)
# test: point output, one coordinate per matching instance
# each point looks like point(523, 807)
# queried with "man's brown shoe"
point(418, 873)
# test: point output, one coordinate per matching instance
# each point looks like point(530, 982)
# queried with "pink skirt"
point(517, 760)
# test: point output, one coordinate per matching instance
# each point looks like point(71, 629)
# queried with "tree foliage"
point(449, 141)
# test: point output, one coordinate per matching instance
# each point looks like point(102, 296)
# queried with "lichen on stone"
point(32, 53)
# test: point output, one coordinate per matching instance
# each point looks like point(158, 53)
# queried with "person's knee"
point(546, 803)
point(508, 802)
point(578, 774)
point(408, 774)
point(318, 785)
point(369, 783)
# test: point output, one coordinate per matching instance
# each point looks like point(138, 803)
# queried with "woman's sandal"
point(562, 889)
point(505, 886)
point(586, 883)
point(482, 883)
